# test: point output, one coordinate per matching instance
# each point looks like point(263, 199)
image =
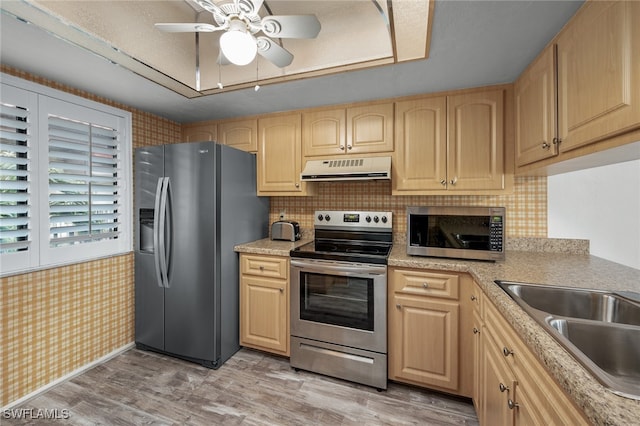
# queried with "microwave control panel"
point(495, 233)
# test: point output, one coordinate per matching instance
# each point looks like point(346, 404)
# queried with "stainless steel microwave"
point(456, 232)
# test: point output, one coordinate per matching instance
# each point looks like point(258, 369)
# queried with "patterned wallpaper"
point(526, 207)
point(55, 321)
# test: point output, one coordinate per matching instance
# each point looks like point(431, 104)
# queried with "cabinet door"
point(199, 132)
point(264, 313)
point(370, 129)
point(423, 341)
point(420, 156)
point(598, 69)
point(279, 156)
point(498, 386)
point(476, 141)
point(324, 132)
point(535, 101)
point(242, 134)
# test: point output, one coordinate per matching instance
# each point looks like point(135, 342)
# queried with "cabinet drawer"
point(421, 283)
point(264, 266)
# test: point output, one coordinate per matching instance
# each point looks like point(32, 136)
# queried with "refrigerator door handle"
point(162, 237)
point(165, 260)
point(156, 232)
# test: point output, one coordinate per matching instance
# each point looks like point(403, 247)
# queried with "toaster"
point(287, 230)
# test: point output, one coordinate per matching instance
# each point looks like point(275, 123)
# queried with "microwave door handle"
point(156, 232)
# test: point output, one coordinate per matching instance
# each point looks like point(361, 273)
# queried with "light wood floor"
point(251, 388)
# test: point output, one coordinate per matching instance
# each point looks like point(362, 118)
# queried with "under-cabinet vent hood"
point(347, 169)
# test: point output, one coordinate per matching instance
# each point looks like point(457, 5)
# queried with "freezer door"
point(149, 292)
point(189, 304)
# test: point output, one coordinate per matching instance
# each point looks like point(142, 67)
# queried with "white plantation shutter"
point(65, 168)
point(85, 182)
point(17, 176)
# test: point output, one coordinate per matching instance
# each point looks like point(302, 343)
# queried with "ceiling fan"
point(241, 22)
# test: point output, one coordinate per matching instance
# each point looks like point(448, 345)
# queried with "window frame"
point(40, 254)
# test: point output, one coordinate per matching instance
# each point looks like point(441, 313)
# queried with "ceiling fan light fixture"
point(237, 45)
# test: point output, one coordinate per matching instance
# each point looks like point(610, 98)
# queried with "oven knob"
point(320, 217)
point(327, 218)
point(368, 219)
point(375, 219)
point(384, 219)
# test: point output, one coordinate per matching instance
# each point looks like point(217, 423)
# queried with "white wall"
point(602, 205)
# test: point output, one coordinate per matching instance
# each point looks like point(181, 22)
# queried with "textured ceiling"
point(473, 43)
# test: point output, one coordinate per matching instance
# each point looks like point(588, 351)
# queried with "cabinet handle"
point(341, 147)
point(502, 387)
point(473, 298)
point(281, 290)
point(454, 180)
point(507, 352)
point(261, 268)
point(398, 306)
point(297, 185)
point(425, 285)
point(349, 147)
point(556, 141)
point(443, 182)
point(512, 404)
point(475, 330)
point(545, 145)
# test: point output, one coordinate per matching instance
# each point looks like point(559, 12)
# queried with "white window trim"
point(40, 256)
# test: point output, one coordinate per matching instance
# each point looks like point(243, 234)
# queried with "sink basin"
point(600, 329)
point(613, 349)
point(575, 302)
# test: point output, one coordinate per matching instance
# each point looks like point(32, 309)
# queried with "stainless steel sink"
point(575, 302)
point(600, 329)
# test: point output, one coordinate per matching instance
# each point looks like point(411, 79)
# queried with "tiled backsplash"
point(526, 207)
point(55, 321)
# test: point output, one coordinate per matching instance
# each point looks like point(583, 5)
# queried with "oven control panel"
point(359, 219)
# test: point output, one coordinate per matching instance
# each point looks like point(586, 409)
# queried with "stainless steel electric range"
point(339, 297)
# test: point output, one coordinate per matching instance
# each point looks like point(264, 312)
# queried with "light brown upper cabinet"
point(594, 63)
point(535, 115)
point(201, 131)
point(420, 157)
point(599, 73)
point(450, 144)
point(241, 134)
point(356, 130)
point(279, 157)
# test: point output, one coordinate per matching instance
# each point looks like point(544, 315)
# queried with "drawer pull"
point(261, 268)
point(425, 285)
point(281, 290)
point(502, 387)
point(398, 306)
point(473, 298)
point(475, 330)
point(512, 404)
point(507, 352)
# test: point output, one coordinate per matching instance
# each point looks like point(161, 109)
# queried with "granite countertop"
point(564, 268)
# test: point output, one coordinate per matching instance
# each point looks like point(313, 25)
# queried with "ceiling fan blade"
point(257, 5)
point(211, 7)
point(291, 26)
point(273, 52)
point(187, 28)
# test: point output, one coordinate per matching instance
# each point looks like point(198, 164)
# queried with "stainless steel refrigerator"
point(194, 202)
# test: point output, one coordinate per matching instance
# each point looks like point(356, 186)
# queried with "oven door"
point(339, 302)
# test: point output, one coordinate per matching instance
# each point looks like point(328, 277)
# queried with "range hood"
point(347, 169)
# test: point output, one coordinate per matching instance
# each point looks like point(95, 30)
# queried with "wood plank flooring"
point(252, 388)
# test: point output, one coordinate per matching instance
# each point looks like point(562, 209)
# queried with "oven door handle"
point(325, 267)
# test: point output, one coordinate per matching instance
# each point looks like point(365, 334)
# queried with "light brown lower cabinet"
point(264, 303)
point(427, 313)
point(515, 388)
